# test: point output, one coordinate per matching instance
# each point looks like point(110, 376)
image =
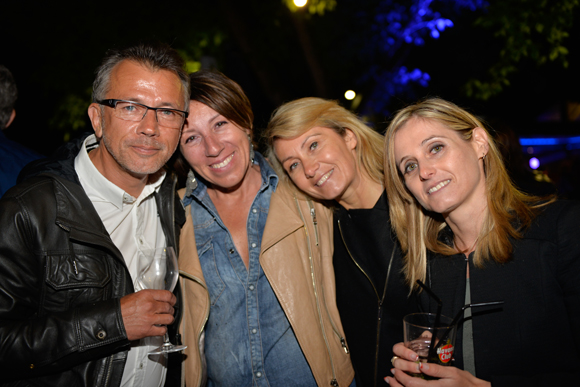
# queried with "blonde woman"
point(471, 236)
point(331, 155)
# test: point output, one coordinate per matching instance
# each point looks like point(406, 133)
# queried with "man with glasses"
point(73, 230)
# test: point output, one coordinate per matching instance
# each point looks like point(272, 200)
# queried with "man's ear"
point(12, 115)
point(96, 119)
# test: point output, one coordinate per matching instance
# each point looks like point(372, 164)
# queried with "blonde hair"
point(295, 118)
point(509, 211)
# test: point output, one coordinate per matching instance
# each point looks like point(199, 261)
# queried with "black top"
point(372, 317)
point(533, 339)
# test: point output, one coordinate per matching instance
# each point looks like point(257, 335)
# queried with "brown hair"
point(226, 97)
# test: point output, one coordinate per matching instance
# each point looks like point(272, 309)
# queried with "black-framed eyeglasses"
point(133, 111)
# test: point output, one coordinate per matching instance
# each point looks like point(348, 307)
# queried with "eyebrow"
point(301, 146)
point(422, 143)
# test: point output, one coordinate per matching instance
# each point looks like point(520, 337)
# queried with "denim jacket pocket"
point(214, 283)
point(74, 280)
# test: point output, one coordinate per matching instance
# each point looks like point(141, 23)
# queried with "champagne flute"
point(157, 269)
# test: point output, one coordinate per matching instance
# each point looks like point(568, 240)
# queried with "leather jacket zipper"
point(380, 300)
point(313, 215)
point(333, 382)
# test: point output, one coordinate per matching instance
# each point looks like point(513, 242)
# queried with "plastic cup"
point(418, 333)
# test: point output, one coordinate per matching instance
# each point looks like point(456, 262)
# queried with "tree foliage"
point(530, 30)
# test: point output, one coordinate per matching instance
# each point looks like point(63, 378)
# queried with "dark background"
point(278, 54)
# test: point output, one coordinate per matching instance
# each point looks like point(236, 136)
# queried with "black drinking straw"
point(431, 354)
point(458, 316)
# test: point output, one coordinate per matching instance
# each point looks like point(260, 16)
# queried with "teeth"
point(439, 186)
point(223, 163)
point(324, 178)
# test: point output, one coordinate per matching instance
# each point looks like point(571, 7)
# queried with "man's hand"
point(143, 311)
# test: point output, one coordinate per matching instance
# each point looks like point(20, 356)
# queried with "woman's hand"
point(406, 360)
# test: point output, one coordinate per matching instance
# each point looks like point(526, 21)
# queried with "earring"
point(483, 157)
point(252, 154)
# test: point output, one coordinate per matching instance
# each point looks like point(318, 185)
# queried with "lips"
point(438, 186)
point(223, 163)
point(146, 149)
point(325, 177)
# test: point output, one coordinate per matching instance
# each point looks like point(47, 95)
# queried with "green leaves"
point(531, 30)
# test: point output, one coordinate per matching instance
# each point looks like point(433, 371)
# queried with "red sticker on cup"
point(445, 353)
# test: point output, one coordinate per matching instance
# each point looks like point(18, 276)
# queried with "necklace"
point(466, 252)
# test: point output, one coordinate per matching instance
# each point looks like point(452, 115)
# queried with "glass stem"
point(166, 342)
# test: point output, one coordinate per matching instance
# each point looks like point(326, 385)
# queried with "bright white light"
point(349, 95)
point(534, 163)
point(300, 3)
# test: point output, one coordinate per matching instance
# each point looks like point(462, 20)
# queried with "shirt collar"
point(100, 185)
point(196, 188)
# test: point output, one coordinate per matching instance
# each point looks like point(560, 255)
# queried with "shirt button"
point(254, 210)
point(253, 245)
point(258, 374)
point(231, 251)
point(251, 287)
point(254, 331)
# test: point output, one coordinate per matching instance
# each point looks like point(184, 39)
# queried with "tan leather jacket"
point(296, 257)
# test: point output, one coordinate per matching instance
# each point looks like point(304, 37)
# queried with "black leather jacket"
point(61, 280)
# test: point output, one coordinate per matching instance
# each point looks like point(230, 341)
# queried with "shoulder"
point(556, 219)
point(287, 197)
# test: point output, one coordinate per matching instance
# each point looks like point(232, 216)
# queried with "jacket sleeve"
point(38, 334)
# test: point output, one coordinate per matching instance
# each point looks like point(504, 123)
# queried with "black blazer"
point(533, 339)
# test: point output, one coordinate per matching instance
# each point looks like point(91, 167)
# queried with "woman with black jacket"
point(473, 237)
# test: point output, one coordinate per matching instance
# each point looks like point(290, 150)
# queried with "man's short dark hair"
point(8, 95)
point(154, 56)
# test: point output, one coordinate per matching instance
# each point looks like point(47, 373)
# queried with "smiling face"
point(442, 170)
point(321, 162)
point(133, 150)
point(215, 147)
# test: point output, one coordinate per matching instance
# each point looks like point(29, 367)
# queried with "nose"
point(149, 125)
point(310, 168)
point(213, 145)
point(426, 171)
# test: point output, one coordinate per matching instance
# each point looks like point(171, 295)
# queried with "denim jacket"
point(296, 256)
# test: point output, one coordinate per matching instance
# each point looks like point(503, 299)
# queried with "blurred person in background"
point(13, 156)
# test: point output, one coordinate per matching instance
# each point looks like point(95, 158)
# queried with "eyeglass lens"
point(135, 112)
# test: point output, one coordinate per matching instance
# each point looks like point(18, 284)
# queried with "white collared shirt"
point(133, 224)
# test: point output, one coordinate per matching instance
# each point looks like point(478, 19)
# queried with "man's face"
point(133, 150)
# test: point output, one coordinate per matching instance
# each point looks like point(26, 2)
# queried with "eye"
point(220, 124)
point(292, 166)
point(314, 145)
point(410, 167)
point(191, 140)
point(437, 148)
point(167, 113)
point(127, 107)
